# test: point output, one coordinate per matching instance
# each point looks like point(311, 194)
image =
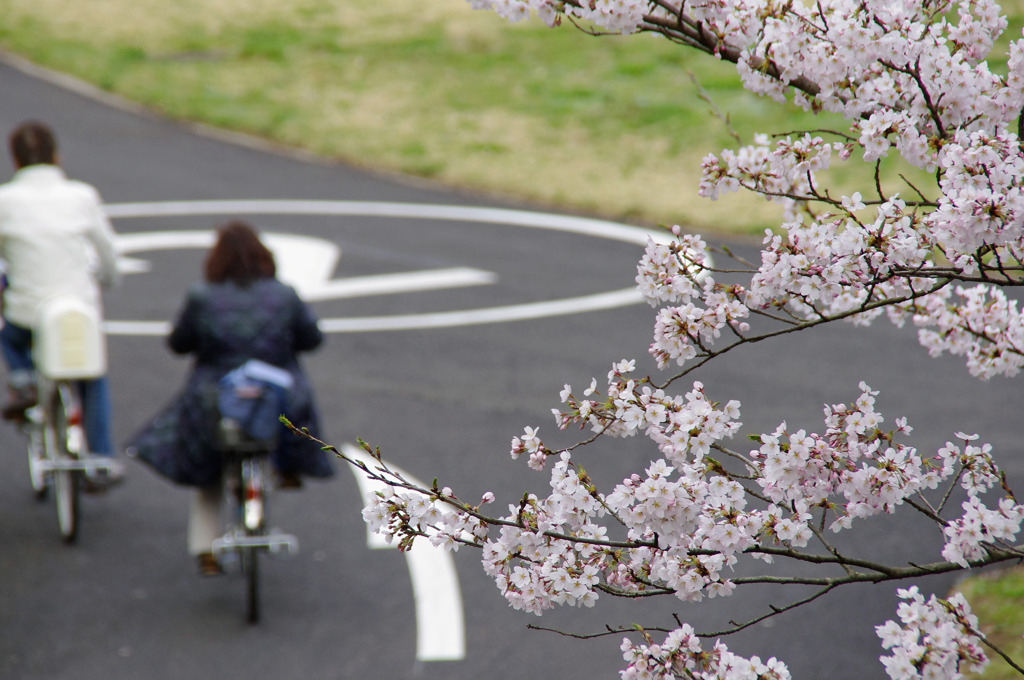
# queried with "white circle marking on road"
point(519, 218)
point(308, 263)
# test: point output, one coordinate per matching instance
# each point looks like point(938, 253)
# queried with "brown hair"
point(32, 143)
point(238, 256)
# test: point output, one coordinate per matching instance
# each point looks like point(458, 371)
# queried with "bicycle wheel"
point(250, 566)
point(60, 441)
point(252, 519)
point(36, 456)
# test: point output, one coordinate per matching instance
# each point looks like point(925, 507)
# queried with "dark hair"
point(32, 143)
point(238, 256)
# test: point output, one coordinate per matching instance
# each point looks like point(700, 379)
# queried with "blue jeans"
point(16, 346)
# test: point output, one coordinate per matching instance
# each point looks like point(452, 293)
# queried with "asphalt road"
point(125, 601)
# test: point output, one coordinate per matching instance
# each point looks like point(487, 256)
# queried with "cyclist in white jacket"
point(54, 239)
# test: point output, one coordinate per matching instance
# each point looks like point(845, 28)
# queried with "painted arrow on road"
point(305, 262)
point(414, 211)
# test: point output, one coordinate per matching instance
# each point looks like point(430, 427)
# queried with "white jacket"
point(54, 239)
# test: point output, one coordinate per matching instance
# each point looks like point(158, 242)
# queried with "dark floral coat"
point(223, 325)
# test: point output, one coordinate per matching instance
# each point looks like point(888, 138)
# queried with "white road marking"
point(137, 328)
point(384, 284)
point(305, 262)
point(133, 265)
point(441, 278)
point(536, 310)
point(440, 628)
point(421, 211)
point(364, 324)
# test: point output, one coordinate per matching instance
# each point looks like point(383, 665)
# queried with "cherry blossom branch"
point(692, 34)
point(735, 627)
point(910, 79)
point(392, 478)
point(915, 74)
point(880, 571)
point(706, 98)
point(775, 611)
point(973, 630)
point(848, 568)
point(796, 327)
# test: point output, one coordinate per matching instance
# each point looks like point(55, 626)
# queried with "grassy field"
point(610, 126)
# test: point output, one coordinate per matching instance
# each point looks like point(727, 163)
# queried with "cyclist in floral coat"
point(240, 312)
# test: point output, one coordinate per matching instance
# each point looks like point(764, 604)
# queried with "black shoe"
point(208, 565)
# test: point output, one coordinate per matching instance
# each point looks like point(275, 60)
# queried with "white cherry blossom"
point(912, 81)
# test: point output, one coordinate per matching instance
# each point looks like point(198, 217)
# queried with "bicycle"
point(68, 345)
point(245, 485)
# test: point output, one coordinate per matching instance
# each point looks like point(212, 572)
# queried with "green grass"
point(998, 601)
point(611, 126)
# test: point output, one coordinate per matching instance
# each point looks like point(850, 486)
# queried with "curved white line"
point(424, 211)
point(440, 628)
point(365, 324)
point(536, 310)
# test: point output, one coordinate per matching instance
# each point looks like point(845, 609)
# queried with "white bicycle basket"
point(68, 341)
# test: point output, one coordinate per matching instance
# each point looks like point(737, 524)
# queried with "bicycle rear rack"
point(274, 542)
point(89, 464)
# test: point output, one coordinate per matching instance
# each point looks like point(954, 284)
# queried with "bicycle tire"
point(252, 497)
point(66, 483)
point(250, 565)
point(37, 451)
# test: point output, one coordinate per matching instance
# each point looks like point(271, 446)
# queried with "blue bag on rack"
point(254, 395)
